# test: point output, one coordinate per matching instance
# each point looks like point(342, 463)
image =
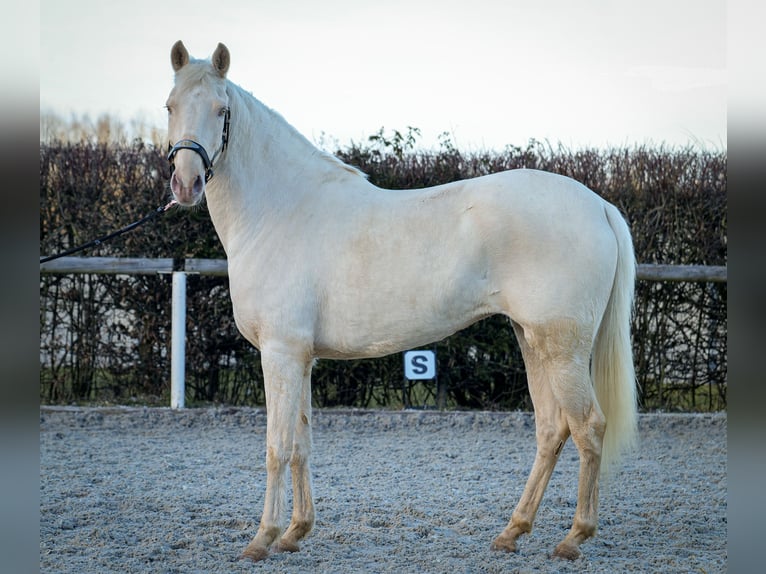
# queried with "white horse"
point(323, 264)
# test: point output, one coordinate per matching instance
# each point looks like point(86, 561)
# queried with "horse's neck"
point(268, 169)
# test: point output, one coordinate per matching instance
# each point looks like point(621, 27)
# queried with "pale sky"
point(490, 72)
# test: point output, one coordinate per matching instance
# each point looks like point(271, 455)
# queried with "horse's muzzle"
point(187, 193)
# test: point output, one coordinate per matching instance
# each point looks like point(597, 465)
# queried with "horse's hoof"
point(567, 551)
point(504, 544)
point(254, 554)
point(286, 546)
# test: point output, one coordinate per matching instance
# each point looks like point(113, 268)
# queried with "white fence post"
point(178, 341)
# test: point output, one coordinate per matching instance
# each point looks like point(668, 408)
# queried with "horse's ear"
point(179, 55)
point(221, 60)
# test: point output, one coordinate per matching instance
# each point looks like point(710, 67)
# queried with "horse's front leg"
point(283, 372)
point(303, 503)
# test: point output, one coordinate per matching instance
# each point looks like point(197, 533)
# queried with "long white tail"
point(614, 378)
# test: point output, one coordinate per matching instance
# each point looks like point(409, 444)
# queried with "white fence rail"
point(141, 266)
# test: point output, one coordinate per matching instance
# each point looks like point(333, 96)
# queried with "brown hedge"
point(106, 338)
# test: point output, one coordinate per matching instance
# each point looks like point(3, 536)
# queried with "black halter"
point(200, 150)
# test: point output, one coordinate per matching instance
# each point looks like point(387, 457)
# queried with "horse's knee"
point(300, 451)
point(276, 459)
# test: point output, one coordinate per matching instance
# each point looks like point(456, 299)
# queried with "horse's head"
point(198, 120)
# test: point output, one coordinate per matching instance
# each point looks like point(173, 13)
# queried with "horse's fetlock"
point(267, 535)
point(522, 524)
point(585, 528)
point(302, 527)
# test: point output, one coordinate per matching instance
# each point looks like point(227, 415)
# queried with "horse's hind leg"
point(588, 425)
point(551, 432)
point(565, 398)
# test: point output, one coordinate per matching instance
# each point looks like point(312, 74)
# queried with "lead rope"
point(100, 240)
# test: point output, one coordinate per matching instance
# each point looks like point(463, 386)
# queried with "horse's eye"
point(222, 111)
point(169, 109)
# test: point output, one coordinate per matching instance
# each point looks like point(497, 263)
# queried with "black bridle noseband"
point(200, 150)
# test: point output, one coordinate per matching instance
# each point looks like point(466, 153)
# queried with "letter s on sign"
point(419, 364)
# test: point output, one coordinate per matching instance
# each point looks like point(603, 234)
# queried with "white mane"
point(282, 129)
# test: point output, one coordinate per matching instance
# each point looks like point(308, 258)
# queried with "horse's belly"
point(355, 343)
point(379, 322)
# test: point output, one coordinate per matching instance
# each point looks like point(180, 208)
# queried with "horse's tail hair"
point(614, 377)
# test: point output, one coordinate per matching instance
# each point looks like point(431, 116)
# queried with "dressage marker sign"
point(419, 365)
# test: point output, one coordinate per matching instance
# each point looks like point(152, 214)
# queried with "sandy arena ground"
point(161, 491)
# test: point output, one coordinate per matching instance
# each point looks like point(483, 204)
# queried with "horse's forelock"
point(197, 72)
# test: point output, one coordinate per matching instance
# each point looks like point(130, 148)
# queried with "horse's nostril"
point(198, 183)
point(174, 183)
